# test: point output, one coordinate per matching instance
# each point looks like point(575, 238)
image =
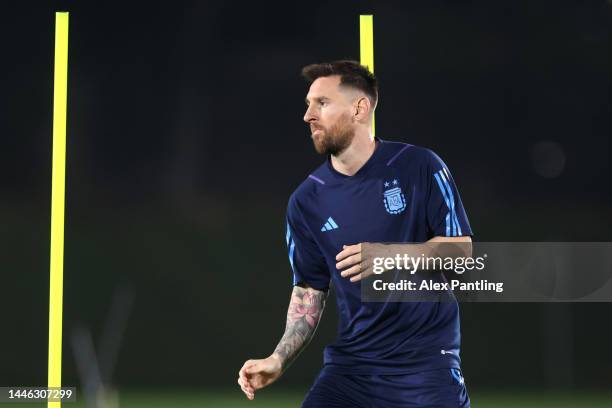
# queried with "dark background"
point(185, 139)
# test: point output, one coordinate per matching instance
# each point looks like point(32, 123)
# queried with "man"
point(388, 354)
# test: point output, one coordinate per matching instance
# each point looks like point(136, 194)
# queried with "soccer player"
point(388, 354)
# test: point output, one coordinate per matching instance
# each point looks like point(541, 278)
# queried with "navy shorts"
point(439, 388)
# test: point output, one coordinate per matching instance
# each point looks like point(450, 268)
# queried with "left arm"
point(351, 259)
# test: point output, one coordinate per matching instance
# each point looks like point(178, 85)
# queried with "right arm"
point(305, 310)
point(303, 316)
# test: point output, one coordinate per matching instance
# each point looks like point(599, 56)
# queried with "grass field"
point(272, 399)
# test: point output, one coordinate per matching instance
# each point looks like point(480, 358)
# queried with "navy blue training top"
point(403, 193)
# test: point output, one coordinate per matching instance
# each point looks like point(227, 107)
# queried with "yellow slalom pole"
point(58, 189)
point(366, 45)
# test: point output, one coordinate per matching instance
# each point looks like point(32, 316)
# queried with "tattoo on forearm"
point(305, 309)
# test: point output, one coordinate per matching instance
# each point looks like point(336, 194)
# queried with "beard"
point(336, 139)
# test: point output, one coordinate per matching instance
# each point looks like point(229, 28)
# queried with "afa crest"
point(394, 199)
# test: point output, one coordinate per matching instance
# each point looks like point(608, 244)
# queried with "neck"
point(357, 154)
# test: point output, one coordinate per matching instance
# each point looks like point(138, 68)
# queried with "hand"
point(257, 374)
point(349, 262)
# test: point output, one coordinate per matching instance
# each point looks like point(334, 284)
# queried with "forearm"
point(303, 316)
point(448, 247)
point(411, 256)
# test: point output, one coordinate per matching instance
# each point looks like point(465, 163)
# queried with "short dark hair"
point(352, 74)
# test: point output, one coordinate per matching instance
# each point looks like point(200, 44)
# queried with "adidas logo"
point(329, 225)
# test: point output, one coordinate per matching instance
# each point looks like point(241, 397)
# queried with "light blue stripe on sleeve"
point(458, 225)
point(454, 210)
point(442, 190)
point(291, 250)
point(452, 201)
point(291, 247)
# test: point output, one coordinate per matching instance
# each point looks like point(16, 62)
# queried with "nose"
point(309, 116)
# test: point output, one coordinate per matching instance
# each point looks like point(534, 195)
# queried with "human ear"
point(362, 108)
